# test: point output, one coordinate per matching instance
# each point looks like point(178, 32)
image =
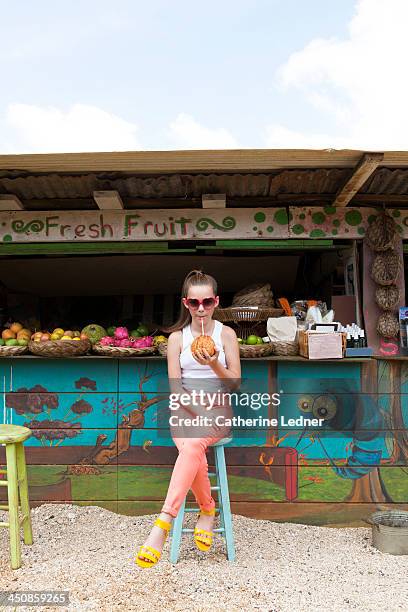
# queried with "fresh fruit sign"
point(138, 225)
point(192, 224)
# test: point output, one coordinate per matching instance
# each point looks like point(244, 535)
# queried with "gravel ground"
point(280, 567)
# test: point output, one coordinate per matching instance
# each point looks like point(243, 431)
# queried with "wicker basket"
point(388, 325)
point(162, 349)
point(59, 348)
point(123, 352)
point(386, 268)
point(388, 297)
point(255, 350)
point(249, 314)
point(381, 233)
point(11, 351)
point(285, 348)
point(254, 295)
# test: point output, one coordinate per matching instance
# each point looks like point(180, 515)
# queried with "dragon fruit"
point(125, 343)
point(121, 333)
point(106, 341)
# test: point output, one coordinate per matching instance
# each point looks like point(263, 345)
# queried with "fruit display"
point(122, 338)
point(254, 346)
point(251, 340)
point(203, 342)
point(15, 335)
point(140, 331)
point(58, 334)
point(61, 342)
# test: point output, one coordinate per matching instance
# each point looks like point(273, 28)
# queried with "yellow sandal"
point(203, 538)
point(152, 553)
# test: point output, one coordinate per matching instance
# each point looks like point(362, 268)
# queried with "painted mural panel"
point(63, 375)
point(306, 484)
point(98, 439)
point(362, 450)
point(51, 415)
point(63, 472)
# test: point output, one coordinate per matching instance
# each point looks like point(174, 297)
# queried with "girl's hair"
point(193, 279)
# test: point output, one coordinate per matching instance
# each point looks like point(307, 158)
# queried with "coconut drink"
point(203, 342)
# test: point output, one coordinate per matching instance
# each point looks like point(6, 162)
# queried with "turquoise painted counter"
point(97, 436)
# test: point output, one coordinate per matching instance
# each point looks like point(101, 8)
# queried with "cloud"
point(186, 133)
point(281, 137)
point(34, 129)
point(358, 83)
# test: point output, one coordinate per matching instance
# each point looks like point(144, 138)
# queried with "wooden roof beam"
point(364, 169)
point(9, 201)
point(108, 200)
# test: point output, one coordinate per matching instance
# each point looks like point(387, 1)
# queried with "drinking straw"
point(202, 327)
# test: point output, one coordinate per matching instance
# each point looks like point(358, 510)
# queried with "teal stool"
point(225, 529)
point(13, 437)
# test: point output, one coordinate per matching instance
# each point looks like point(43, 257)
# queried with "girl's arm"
point(231, 349)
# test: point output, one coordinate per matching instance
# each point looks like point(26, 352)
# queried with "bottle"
point(363, 339)
point(355, 340)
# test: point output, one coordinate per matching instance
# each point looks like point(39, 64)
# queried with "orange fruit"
point(16, 327)
point(7, 334)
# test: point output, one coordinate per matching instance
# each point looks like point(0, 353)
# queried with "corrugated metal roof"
point(74, 189)
point(52, 186)
point(386, 181)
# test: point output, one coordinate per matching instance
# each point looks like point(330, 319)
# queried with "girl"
point(199, 299)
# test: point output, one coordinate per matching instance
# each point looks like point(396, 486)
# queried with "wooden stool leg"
point(23, 487)
point(225, 501)
point(176, 534)
point(12, 487)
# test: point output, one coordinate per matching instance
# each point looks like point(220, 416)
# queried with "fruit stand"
point(94, 248)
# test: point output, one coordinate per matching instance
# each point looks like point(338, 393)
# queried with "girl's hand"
point(205, 358)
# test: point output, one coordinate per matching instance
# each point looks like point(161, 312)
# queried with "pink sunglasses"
point(207, 303)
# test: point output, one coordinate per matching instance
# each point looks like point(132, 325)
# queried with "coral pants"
point(191, 472)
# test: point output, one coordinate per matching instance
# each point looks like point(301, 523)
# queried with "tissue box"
point(322, 345)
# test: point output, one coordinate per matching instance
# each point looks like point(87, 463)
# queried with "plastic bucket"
point(390, 531)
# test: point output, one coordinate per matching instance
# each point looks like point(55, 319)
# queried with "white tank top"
point(190, 368)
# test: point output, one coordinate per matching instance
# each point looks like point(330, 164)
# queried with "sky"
point(90, 75)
